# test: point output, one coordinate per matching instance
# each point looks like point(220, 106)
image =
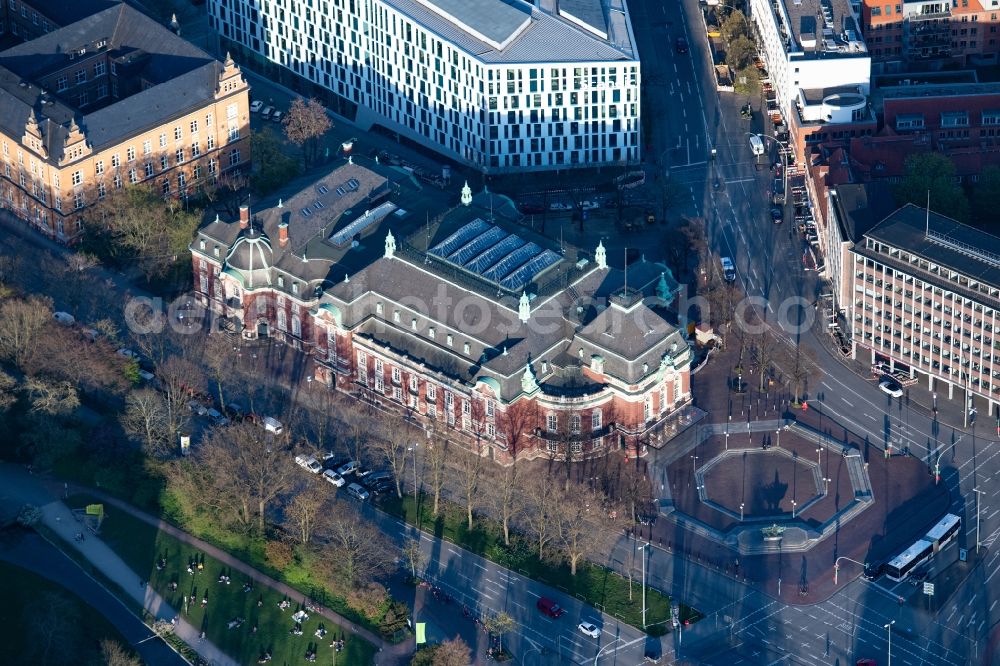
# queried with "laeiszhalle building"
point(454, 317)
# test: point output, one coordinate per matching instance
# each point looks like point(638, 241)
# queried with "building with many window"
point(110, 100)
point(816, 57)
point(928, 34)
point(460, 318)
point(502, 85)
point(926, 300)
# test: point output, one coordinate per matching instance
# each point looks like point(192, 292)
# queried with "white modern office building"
point(812, 47)
point(503, 85)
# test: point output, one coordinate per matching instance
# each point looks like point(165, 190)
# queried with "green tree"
point(136, 225)
point(934, 173)
point(740, 53)
point(734, 25)
point(986, 197)
point(747, 81)
point(273, 169)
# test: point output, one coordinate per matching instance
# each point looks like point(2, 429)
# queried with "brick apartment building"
point(931, 33)
point(459, 319)
point(109, 100)
point(926, 299)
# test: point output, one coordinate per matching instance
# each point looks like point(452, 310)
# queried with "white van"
point(272, 424)
point(756, 145)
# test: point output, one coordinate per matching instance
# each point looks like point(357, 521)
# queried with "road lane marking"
point(849, 404)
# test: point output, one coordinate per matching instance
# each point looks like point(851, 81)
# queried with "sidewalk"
point(60, 519)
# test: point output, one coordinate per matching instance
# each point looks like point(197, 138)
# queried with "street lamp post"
point(643, 549)
point(601, 651)
point(413, 448)
point(793, 508)
point(819, 458)
point(778, 433)
point(694, 465)
point(836, 567)
point(979, 495)
point(826, 485)
point(730, 423)
point(888, 630)
point(741, 511)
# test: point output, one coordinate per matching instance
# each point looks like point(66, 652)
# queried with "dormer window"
point(395, 315)
point(295, 287)
point(430, 333)
point(449, 340)
point(597, 364)
point(466, 348)
point(201, 245)
point(413, 324)
point(378, 308)
point(217, 250)
point(281, 281)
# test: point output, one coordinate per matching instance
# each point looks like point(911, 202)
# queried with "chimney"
point(244, 217)
point(283, 234)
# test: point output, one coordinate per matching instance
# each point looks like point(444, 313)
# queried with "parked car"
point(559, 206)
point(64, 318)
point(681, 45)
point(217, 417)
point(334, 478)
point(358, 491)
point(308, 463)
point(276, 116)
point(198, 408)
point(128, 353)
point(589, 205)
point(350, 467)
point(891, 387)
point(588, 629)
point(266, 113)
point(235, 410)
point(364, 472)
point(777, 215)
point(728, 269)
point(532, 209)
point(256, 106)
point(549, 607)
point(273, 425)
point(146, 376)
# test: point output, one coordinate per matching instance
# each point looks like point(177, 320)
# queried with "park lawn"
point(141, 546)
point(85, 626)
point(596, 585)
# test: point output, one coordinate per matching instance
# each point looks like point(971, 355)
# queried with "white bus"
point(944, 531)
point(901, 565)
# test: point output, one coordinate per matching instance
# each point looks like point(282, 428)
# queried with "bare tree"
point(145, 420)
point(499, 624)
point(54, 631)
point(435, 460)
point(452, 652)
point(413, 555)
point(304, 511)
point(504, 498)
point(219, 354)
point(304, 123)
point(391, 445)
point(114, 653)
point(249, 471)
point(355, 552)
point(8, 391)
point(539, 511)
point(765, 346)
point(21, 322)
point(635, 488)
point(578, 526)
point(180, 379)
point(469, 467)
point(53, 398)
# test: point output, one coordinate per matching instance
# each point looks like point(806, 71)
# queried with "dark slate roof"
point(64, 12)
point(861, 206)
point(951, 244)
point(183, 77)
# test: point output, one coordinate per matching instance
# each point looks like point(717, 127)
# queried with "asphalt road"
point(484, 586)
point(747, 626)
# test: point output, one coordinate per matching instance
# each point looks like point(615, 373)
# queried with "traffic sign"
point(929, 589)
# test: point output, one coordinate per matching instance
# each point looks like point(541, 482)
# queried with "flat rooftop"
point(495, 21)
point(514, 31)
point(942, 241)
point(880, 95)
point(824, 27)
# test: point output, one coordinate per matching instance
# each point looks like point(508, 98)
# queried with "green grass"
point(141, 545)
point(596, 585)
point(80, 638)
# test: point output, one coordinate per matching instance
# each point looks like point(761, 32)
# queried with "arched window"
point(296, 326)
point(282, 321)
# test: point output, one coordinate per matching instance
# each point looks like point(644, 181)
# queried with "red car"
point(550, 608)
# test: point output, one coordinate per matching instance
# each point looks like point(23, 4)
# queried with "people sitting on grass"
point(284, 604)
point(296, 630)
point(264, 658)
point(310, 655)
point(321, 632)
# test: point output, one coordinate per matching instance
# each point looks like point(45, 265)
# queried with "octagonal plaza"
point(728, 488)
